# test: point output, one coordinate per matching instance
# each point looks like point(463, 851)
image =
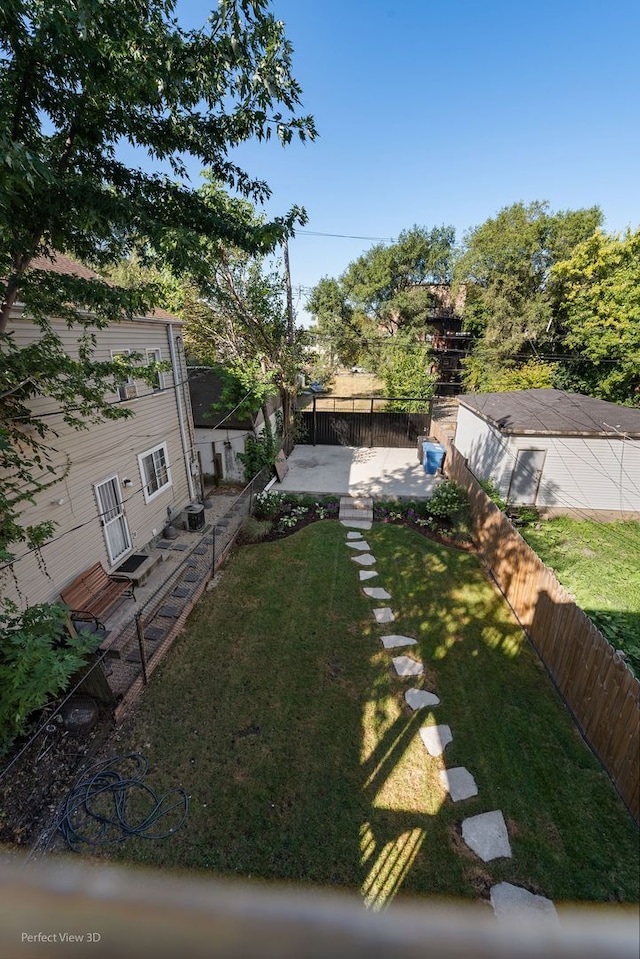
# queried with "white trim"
point(146, 480)
point(154, 354)
point(126, 535)
point(127, 389)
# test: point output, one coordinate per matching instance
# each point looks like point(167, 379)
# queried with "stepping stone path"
point(392, 642)
point(384, 614)
point(514, 902)
point(487, 835)
point(356, 512)
point(366, 559)
point(406, 666)
point(459, 783)
point(419, 698)
point(436, 739)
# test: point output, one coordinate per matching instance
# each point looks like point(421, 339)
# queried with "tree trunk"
point(268, 432)
point(287, 420)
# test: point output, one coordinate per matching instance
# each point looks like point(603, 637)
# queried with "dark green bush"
point(447, 501)
point(37, 659)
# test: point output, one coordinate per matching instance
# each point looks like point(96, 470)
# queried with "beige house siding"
point(105, 450)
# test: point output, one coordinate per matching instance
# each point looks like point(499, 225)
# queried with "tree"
point(393, 284)
point(505, 266)
point(408, 373)
point(242, 323)
point(388, 292)
point(338, 326)
point(598, 293)
point(77, 80)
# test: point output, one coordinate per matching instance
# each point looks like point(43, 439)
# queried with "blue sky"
point(435, 113)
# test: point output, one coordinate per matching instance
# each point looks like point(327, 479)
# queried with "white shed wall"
point(210, 441)
point(579, 472)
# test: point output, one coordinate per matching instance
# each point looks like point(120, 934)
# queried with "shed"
point(221, 436)
point(553, 449)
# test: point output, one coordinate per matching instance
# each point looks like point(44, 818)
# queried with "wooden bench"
point(96, 591)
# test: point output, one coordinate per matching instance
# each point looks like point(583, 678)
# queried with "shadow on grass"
point(280, 714)
point(510, 729)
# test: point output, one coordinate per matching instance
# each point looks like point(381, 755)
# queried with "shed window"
point(154, 470)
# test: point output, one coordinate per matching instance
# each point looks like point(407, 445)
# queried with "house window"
point(126, 387)
point(154, 470)
point(155, 356)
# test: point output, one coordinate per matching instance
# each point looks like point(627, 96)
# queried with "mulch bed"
point(312, 517)
point(41, 777)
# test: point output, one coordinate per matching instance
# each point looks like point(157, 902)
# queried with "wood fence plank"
point(603, 695)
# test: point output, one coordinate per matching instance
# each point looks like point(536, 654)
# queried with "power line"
point(346, 236)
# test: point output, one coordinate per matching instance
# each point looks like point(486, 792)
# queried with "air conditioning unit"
point(128, 391)
point(193, 517)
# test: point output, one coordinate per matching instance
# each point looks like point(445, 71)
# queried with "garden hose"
point(97, 811)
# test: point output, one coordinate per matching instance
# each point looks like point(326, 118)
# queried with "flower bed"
point(289, 512)
point(444, 517)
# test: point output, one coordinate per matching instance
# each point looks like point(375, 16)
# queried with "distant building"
point(443, 333)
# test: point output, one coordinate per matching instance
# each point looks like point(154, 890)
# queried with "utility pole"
point(287, 412)
point(287, 276)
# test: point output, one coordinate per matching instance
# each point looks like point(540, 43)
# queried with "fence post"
point(142, 646)
point(314, 420)
point(371, 424)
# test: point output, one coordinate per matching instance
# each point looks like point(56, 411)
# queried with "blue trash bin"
point(432, 457)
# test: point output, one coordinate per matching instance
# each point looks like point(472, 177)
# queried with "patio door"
point(114, 522)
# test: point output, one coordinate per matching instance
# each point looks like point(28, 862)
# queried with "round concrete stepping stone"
point(357, 523)
point(367, 574)
point(366, 559)
point(436, 739)
point(391, 642)
point(384, 614)
point(359, 544)
point(377, 592)
point(514, 902)
point(419, 698)
point(353, 535)
point(459, 783)
point(487, 835)
point(406, 666)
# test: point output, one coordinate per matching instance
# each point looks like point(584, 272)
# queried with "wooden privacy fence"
point(602, 693)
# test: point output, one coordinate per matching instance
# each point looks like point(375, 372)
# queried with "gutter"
point(178, 395)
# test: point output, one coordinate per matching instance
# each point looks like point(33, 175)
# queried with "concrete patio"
point(381, 473)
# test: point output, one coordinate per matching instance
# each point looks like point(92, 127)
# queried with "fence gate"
point(335, 421)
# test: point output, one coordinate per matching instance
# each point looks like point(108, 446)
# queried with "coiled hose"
point(111, 802)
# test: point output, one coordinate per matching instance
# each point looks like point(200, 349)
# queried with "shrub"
point(37, 659)
point(493, 493)
point(447, 501)
point(267, 504)
point(253, 530)
point(259, 452)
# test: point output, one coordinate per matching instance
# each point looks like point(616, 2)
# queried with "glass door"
point(114, 522)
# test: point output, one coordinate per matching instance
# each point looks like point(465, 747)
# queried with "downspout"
point(178, 395)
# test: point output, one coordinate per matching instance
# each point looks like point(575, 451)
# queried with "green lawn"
point(598, 564)
point(279, 713)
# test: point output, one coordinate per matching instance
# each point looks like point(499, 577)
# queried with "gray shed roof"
point(553, 413)
point(205, 388)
